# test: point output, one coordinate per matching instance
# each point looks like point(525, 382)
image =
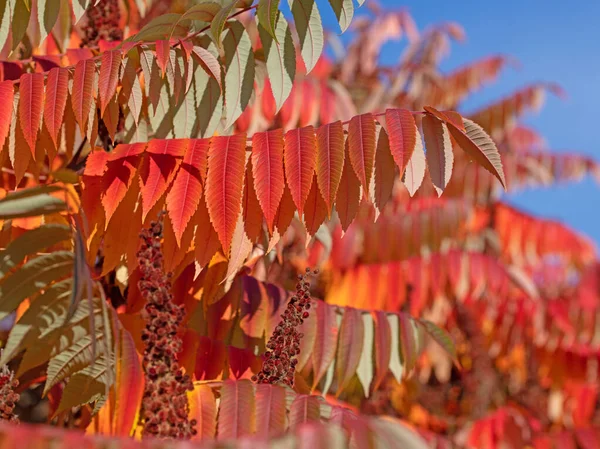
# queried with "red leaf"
point(440, 157)
point(285, 212)
point(252, 216)
point(186, 192)
point(7, 92)
point(226, 163)
point(361, 147)
point(330, 161)
point(415, 169)
point(237, 409)
point(402, 132)
point(163, 50)
point(30, 106)
point(82, 95)
point(109, 77)
point(383, 347)
point(348, 197)
point(316, 209)
point(326, 340)
point(57, 89)
point(267, 170)
point(385, 172)
point(300, 160)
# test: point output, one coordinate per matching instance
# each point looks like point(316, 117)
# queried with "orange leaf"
point(206, 241)
point(237, 409)
point(30, 106)
point(330, 161)
point(300, 160)
point(129, 387)
point(440, 157)
point(361, 147)
point(109, 77)
point(316, 209)
point(325, 342)
point(267, 170)
point(203, 408)
point(57, 89)
point(403, 136)
point(285, 212)
point(185, 194)
point(226, 163)
point(81, 94)
point(159, 170)
point(7, 93)
point(348, 197)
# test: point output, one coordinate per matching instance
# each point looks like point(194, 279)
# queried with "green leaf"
point(47, 13)
point(344, 11)
point(46, 314)
point(310, 30)
point(30, 206)
point(32, 242)
point(205, 12)
point(6, 11)
point(218, 23)
point(162, 27)
point(20, 21)
point(79, 7)
point(239, 71)
point(267, 13)
point(441, 337)
point(32, 277)
point(84, 388)
point(208, 98)
point(281, 59)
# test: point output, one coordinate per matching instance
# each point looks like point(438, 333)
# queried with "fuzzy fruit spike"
point(165, 407)
point(8, 397)
point(283, 347)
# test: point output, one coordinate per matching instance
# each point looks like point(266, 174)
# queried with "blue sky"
point(553, 41)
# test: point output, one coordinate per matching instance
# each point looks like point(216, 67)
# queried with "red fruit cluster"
point(165, 407)
point(8, 397)
point(280, 360)
point(103, 23)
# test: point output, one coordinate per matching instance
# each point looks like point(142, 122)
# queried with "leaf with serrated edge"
point(315, 209)
point(236, 410)
point(218, 23)
point(348, 195)
point(300, 160)
point(271, 410)
point(6, 109)
point(310, 30)
point(267, 170)
point(31, 90)
point(325, 342)
point(364, 371)
point(330, 161)
point(203, 408)
point(304, 408)
point(226, 164)
point(385, 171)
point(239, 71)
point(415, 169)
point(47, 13)
point(439, 154)
point(441, 337)
point(361, 147)
point(109, 77)
point(57, 90)
point(32, 277)
point(267, 13)
point(344, 11)
point(350, 347)
point(81, 94)
point(281, 59)
point(403, 134)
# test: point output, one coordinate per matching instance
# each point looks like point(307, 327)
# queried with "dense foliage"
point(169, 170)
